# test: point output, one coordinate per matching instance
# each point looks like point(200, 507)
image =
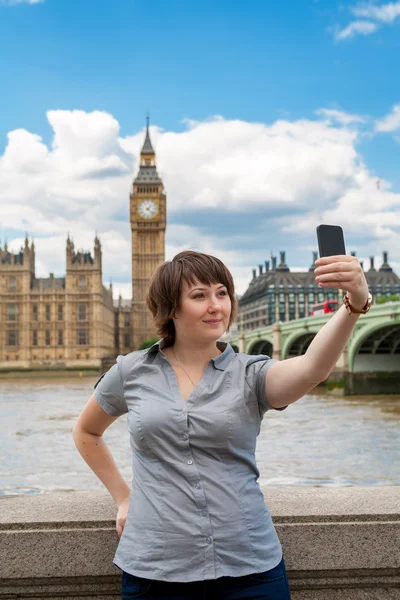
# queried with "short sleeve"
point(109, 392)
point(256, 372)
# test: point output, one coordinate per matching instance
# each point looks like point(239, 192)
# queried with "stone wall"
point(372, 383)
point(338, 543)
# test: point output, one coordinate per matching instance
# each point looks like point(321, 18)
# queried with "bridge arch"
point(376, 348)
point(260, 347)
point(297, 343)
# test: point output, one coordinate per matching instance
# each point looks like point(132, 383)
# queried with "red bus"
point(322, 308)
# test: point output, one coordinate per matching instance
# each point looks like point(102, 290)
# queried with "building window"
point(12, 312)
point(82, 282)
point(34, 312)
point(12, 284)
point(302, 310)
point(271, 304)
point(82, 337)
point(127, 320)
point(82, 312)
point(60, 312)
point(12, 338)
point(282, 304)
point(34, 338)
point(60, 340)
point(126, 340)
point(292, 304)
point(47, 338)
point(47, 309)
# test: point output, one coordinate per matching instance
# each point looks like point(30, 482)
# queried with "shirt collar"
point(220, 362)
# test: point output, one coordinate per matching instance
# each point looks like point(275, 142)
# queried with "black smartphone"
point(330, 240)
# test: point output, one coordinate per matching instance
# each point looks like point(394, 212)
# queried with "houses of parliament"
point(73, 321)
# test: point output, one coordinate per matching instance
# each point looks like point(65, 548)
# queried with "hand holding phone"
point(344, 272)
point(330, 240)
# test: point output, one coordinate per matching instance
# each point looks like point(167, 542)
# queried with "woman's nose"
point(215, 303)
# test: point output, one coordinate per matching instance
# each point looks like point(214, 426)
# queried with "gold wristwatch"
point(350, 309)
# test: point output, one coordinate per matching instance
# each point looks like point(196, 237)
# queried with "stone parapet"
point(338, 543)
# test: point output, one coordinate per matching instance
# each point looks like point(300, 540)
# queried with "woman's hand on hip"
point(121, 515)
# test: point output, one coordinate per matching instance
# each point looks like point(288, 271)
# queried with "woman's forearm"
point(329, 343)
point(97, 455)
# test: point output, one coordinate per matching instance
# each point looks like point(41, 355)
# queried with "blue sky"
point(188, 63)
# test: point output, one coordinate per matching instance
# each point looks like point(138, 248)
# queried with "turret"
point(385, 265)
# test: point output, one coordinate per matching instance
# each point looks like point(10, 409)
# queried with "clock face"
point(148, 209)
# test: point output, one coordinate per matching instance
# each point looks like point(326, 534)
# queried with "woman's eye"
point(202, 295)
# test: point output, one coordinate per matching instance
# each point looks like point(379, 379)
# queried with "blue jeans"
point(269, 585)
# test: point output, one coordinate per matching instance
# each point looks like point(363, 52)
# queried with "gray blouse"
point(196, 510)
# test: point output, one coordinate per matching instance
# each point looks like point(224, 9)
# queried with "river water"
point(320, 440)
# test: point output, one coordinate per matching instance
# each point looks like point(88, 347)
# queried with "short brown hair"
point(166, 285)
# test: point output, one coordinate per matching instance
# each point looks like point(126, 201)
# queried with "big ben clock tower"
point(148, 218)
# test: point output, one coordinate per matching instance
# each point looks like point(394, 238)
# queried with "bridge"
point(370, 362)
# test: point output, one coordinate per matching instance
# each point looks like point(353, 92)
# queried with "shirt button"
point(209, 540)
point(190, 462)
point(184, 437)
point(197, 485)
point(204, 512)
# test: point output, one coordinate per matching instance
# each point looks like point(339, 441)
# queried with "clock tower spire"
point(148, 224)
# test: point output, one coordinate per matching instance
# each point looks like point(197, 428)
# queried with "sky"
point(267, 119)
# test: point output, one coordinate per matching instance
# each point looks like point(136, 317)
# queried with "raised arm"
point(291, 379)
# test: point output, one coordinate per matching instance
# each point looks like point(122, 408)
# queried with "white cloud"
point(376, 14)
point(291, 175)
point(363, 209)
point(14, 2)
point(356, 28)
point(238, 165)
point(386, 13)
point(390, 122)
point(339, 116)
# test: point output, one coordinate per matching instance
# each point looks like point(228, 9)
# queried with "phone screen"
point(330, 240)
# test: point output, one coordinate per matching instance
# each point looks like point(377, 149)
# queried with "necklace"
point(179, 365)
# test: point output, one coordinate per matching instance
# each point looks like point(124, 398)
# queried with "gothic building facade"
point(66, 321)
point(276, 293)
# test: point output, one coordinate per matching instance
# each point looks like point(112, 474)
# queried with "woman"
point(195, 524)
